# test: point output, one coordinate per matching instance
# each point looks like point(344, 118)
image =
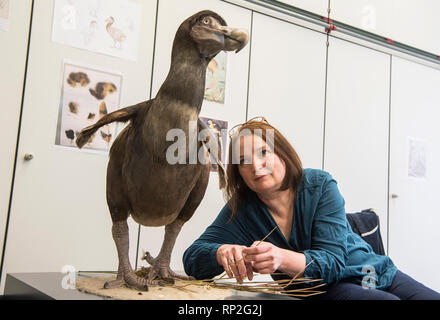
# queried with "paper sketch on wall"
point(216, 78)
point(219, 128)
point(417, 158)
point(87, 95)
point(110, 27)
point(4, 15)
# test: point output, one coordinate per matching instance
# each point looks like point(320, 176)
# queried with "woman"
point(267, 188)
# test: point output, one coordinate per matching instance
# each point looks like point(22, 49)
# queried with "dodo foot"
point(113, 284)
point(133, 281)
point(161, 269)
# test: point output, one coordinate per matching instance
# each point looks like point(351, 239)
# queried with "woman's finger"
point(249, 270)
point(258, 257)
point(233, 266)
point(240, 263)
point(264, 267)
point(225, 265)
point(256, 249)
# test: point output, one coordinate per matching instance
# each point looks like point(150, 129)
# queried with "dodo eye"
point(205, 20)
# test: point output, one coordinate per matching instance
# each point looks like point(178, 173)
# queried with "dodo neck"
point(186, 79)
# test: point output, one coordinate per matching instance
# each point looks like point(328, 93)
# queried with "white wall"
point(335, 112)
point(316, 6)
point(413, 23)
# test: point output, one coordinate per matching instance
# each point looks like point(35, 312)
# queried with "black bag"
point(366, 224)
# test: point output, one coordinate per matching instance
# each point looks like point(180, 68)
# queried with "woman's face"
point(261, 169)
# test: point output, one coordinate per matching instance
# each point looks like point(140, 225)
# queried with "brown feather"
point(106, 137)
point(73, 107)
point(102, 109)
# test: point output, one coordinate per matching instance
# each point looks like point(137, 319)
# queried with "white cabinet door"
point(287, 83)
point(12, 66)
point(171, 14)
point(356, 128)
point(59, 213)
point(414, 171)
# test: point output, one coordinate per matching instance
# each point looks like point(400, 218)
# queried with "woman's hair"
point(236, 191)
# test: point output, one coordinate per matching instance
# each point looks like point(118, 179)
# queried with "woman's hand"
point(264, 257)
point(231, 258)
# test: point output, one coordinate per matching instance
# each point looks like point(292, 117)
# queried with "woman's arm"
point(328, 253)
point(201, 261)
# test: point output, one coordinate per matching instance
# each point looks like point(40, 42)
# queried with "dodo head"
point(211, 34)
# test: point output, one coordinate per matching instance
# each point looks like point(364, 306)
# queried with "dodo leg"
point(161, 264)
point(125, 272)
point(119, 282)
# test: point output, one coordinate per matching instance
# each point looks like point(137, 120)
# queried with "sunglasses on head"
point(234, 130)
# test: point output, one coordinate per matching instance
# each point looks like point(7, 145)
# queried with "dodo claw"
point(131, 280)
point(162, 270)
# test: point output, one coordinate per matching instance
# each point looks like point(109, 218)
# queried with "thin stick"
point(299, 273)
point(306, 289)
point(302, 295)
point(276, 286)
point(304, 281)
point(262, 287)
point(266, 236)
point(182, 288)
point(262, 240)
point(111, 272)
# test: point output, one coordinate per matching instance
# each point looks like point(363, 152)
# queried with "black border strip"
point(389, 155)
point(327, 44)
point(249, 66)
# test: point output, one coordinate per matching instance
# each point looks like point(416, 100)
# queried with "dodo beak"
point(235, 39)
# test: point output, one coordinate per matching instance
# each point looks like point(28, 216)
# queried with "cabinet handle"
point(394, 196)
point(28, 156)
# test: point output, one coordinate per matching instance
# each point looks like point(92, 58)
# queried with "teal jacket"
point(320, 231)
